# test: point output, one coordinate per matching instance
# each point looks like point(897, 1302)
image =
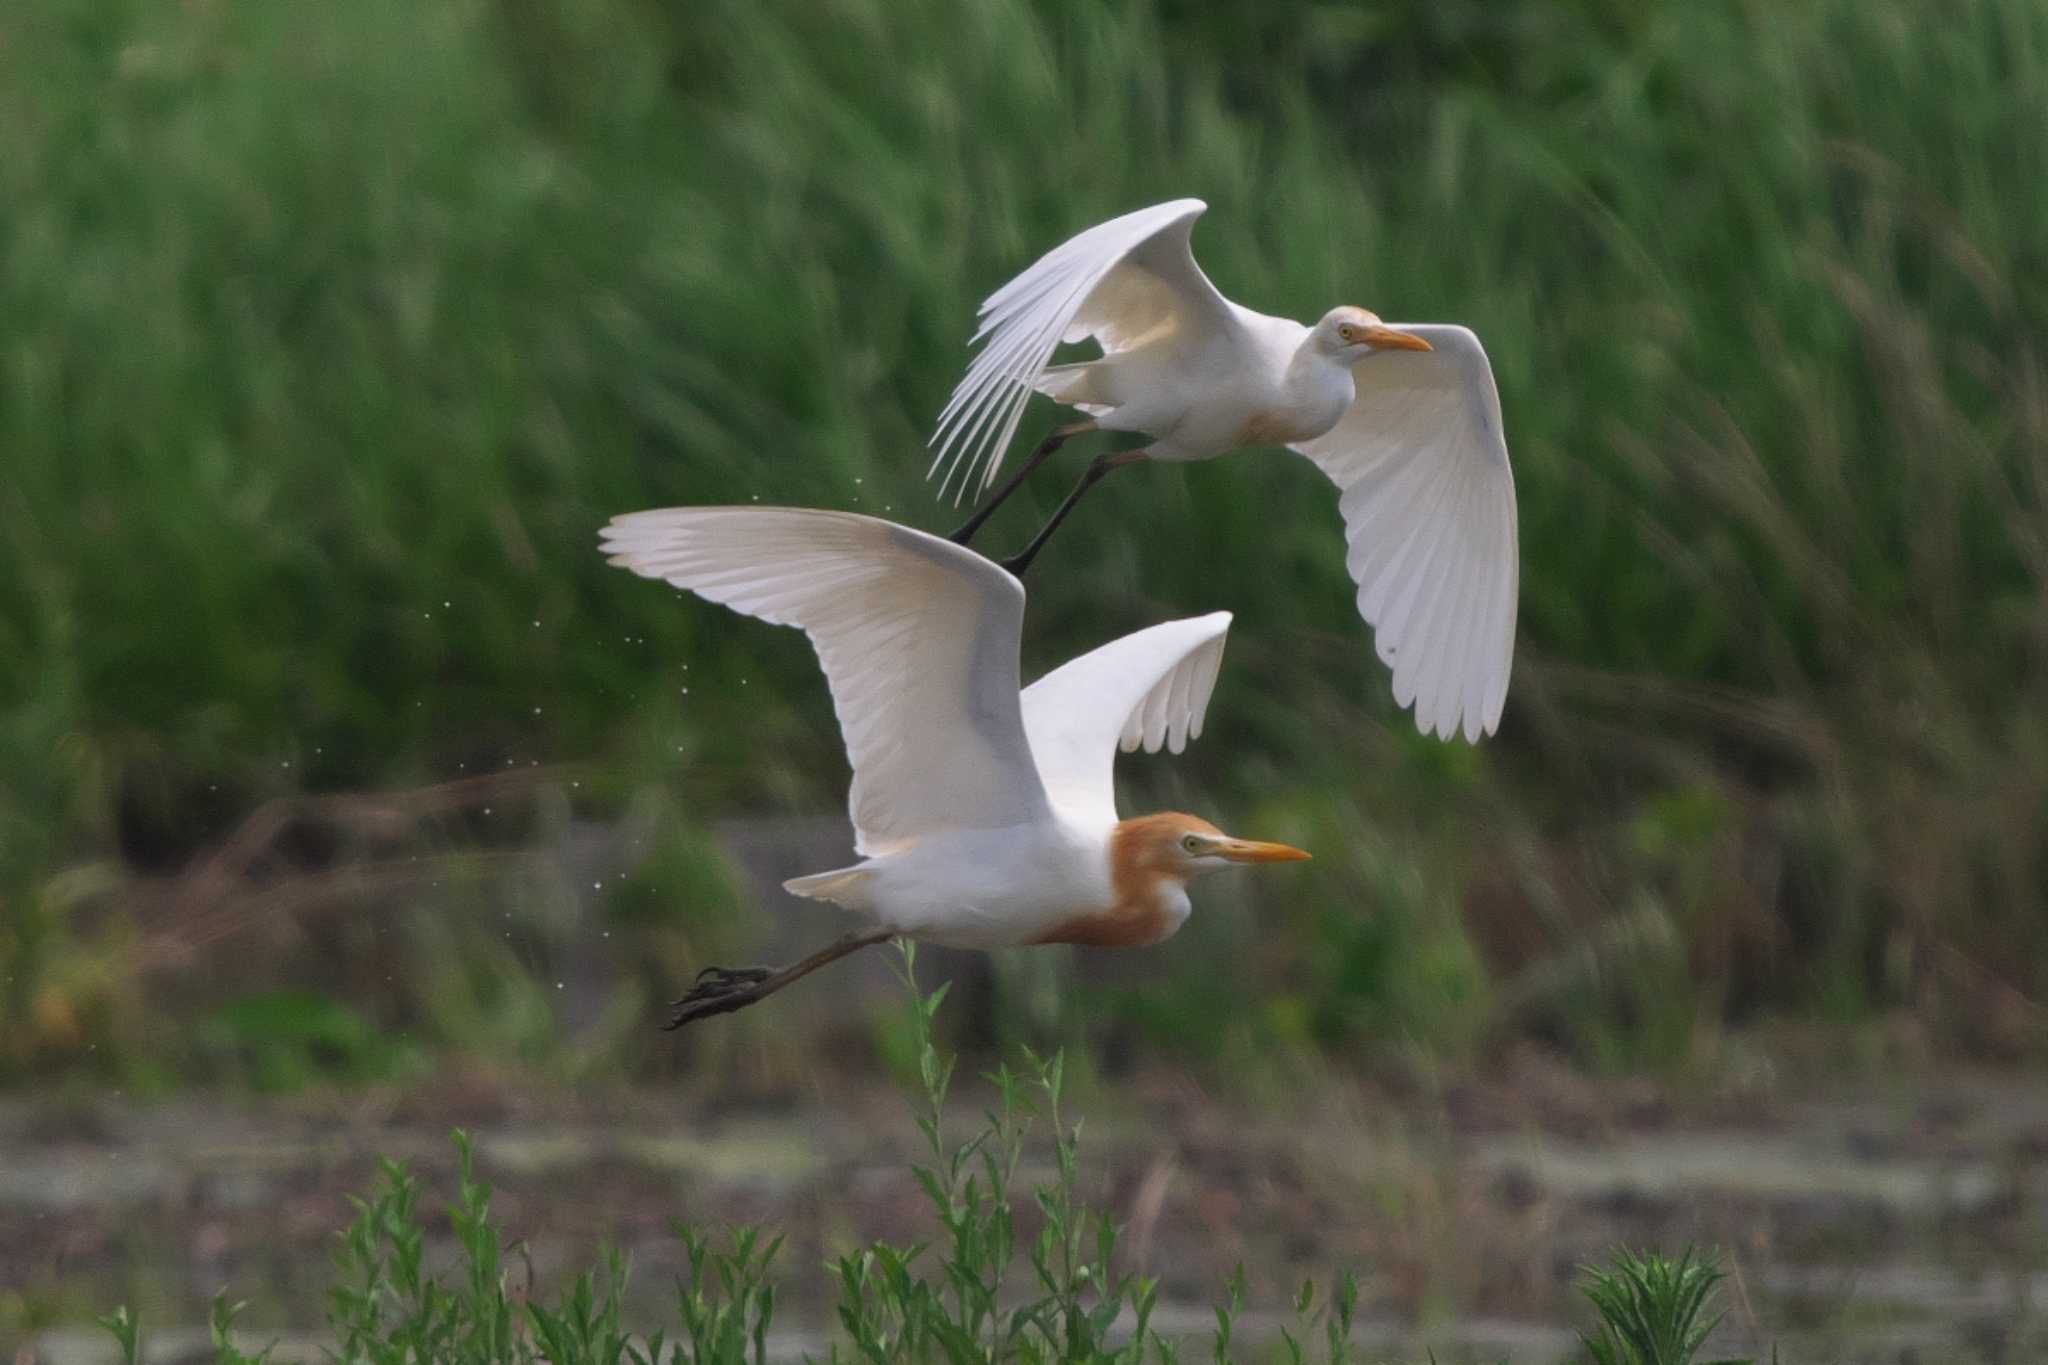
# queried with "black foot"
point(719, 990)
point(727, 976)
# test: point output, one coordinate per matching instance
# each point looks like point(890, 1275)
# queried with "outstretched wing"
point(1151, 687)
point(1124, 282)
point(1429, 514)
point(917, 636)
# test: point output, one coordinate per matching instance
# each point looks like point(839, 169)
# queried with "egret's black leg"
point(1097, 467)
point(721, 990)
point(1059, 437)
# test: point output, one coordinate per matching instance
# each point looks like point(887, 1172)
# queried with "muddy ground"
point(1889, 1222)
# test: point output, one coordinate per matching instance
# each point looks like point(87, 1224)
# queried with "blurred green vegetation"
point(330, 334)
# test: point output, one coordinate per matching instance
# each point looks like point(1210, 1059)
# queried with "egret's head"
point(1176, 847)
point(1350, 334)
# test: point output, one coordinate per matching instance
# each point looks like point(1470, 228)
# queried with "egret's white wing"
point(1429, 513)
point(1151, 687)
point(917, 636)
point(1126, 281)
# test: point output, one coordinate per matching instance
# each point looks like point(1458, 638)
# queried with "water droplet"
point(487, 810)
point(536, 710)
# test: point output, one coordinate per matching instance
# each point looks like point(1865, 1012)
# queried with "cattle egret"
point(985, 818)
point(1404, 419)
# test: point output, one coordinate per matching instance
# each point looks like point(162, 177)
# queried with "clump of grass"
point(1653, 1310)
point(1073, 1296)
point(976, 1294)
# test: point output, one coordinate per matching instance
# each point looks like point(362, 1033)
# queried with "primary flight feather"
point(1404, 419)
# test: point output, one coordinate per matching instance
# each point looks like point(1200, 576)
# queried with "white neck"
point(1319, 385)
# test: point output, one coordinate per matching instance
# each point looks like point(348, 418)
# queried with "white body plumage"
point(1200, 398)
point(997, 888)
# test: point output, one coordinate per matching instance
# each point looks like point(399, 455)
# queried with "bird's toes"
point(715, 985)
point(697, 1004)
point(683, 1013)
point(703, 990)
point(728, 976)
point(720, 995)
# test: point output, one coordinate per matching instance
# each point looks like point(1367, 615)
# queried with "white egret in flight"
point(1404, 419)
point(986, 818)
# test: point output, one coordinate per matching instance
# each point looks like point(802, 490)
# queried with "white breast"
point(1253, 391)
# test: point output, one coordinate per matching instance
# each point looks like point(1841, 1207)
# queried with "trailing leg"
point(1059, 437)
point(721, 990)
point(1098, 467)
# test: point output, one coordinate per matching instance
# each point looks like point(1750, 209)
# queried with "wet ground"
point(1888, 1223)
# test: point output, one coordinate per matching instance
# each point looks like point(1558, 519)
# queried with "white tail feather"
point(845, 886)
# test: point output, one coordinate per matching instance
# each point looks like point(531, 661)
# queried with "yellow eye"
point(1348, 332)
point(1192, 843)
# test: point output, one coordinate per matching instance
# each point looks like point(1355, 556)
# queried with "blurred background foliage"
point(329, 334)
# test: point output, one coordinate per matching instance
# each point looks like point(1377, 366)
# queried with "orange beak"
point(1251, 851)
point(1387, 339)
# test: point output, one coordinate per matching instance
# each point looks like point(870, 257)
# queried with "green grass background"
point(329, 334)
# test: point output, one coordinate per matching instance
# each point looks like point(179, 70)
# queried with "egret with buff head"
point(1404, 419)
point(985, 815)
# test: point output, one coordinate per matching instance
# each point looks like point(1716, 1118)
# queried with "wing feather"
point(1150, 688)
point(1428, 499)
point(917, 637)
point(1120, 282)
point(1460, 665)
